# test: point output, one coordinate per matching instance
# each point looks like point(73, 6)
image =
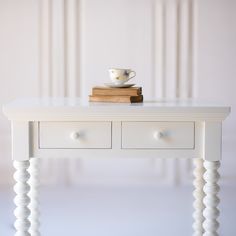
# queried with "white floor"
point(136, 211)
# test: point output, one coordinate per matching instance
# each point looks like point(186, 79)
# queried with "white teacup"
point(120, 76)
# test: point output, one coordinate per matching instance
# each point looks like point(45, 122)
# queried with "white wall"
point(57, 48)
point(116, 34)
point(18, 64)
point(217, 68)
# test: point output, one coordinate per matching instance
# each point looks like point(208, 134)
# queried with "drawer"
point(74, 135)
point(158, 135)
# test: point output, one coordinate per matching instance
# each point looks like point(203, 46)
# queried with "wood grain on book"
point(134, 91)
point(110, 98)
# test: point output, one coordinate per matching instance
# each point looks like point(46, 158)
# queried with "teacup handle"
point(132, 74)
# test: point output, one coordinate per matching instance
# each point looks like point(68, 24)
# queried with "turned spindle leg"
point(198, 195)
point(33, 194)
point(211, 201)
point(21, 200)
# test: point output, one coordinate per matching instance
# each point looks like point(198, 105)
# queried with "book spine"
point(118, 92)
point(134, 99)
point(118, 99)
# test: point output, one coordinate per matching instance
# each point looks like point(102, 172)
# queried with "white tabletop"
point(44, 108)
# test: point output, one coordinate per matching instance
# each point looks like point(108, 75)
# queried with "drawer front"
point(158, 135)
point(74, 135)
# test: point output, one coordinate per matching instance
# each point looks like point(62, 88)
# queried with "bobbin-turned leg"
point(21, 200)
point(33, 194)
point(211, 201)
point(198, 195)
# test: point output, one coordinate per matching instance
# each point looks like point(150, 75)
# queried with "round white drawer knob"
point(75, 135)
point(158, 135)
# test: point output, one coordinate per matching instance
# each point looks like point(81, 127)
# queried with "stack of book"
point(124, 95)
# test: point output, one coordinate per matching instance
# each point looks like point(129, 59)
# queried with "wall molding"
point(59, 60)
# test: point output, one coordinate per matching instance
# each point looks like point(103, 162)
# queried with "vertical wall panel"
point(71, 45)
point(184, 53)
point(45, 48)
point(159, 48)
point(58, 47)
point(171, 48)
point(193, 26)
point(175, 60)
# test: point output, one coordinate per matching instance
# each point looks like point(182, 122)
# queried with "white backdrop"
point(179, 48)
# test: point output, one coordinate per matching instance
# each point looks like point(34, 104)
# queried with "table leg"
point(21, 200)
point(211, 200)
point(33, 194)
point(198, 195)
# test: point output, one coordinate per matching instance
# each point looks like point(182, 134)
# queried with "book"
point(133, 91)
point(118, 99)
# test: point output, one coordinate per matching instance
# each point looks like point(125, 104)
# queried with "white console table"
point(65, 127)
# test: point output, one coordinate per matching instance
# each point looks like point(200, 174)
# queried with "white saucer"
point(112, 85)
